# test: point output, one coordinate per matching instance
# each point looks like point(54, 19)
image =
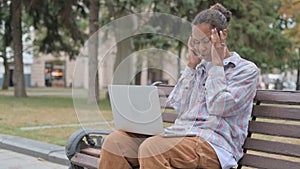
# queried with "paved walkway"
point(13, 160)
point(22, 153)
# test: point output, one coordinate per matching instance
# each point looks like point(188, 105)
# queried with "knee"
point(112, 139)
point(151, 147)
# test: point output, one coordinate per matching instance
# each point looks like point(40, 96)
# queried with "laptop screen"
point(136, 109)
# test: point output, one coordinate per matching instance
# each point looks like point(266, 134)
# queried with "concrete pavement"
point(13, 160)
point(22, 153)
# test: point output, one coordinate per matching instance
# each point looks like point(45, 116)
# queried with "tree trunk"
point(6, 41)
point(123, 66)
point(6, 71)
point(18, 79)
point(93, 93)
point(298, 71)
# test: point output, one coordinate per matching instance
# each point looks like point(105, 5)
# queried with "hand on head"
point(218, 47)
point(194, 58)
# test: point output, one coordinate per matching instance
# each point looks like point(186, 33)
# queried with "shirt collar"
point(233, 59)
point(202, 65)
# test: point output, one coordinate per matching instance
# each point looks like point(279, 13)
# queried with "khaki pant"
point(123, 150)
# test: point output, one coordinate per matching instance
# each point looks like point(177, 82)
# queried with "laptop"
point(137, 109)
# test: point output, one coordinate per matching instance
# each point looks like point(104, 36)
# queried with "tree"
point(117, 9)
point(93, 93)
point(18, 77)
point(254, 34)
point(58, 25)
point(55, 22)
point(289, 19)
point(5, 17)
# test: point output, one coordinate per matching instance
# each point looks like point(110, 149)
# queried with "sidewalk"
point(21, 153)
point(13, 160)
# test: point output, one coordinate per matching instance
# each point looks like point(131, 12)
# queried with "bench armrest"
point(83, 138)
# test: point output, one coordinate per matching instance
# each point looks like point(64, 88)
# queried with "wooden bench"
point(273, 140)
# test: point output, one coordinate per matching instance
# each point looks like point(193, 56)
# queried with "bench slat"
point(278, 97)
point(91, 151)
point(164, 90)
point(275, 129)
point(163, 103)
point(251, 160)
point(285, 113)
point(288, 149)
point(84, 160)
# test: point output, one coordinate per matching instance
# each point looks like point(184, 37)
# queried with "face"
point(201, 40)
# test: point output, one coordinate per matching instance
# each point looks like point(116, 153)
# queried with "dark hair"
point(223, 10)
point(213, 17)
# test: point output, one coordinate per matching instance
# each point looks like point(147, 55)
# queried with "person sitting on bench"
point(214, 98)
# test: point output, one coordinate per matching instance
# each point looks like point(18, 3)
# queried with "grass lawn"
point(34, 111)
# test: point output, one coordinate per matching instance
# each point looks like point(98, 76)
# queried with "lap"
point(158, 142)
point(181, 151)
point(123, 143)
point(186, 145)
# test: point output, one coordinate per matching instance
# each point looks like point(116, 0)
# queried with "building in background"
point(50, 71)
point(27, 63)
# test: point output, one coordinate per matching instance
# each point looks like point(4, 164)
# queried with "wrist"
point(191, 65)
point(217, 61)
point(218, 64)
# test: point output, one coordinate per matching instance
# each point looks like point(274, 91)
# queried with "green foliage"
point(5, 33)
point(288, 21)
point(59, 25)
point(254, 33)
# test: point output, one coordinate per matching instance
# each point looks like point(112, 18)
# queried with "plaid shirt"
point(215, 102)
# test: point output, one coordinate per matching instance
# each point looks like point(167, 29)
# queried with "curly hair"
point(223, 10)
point(215, 18)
